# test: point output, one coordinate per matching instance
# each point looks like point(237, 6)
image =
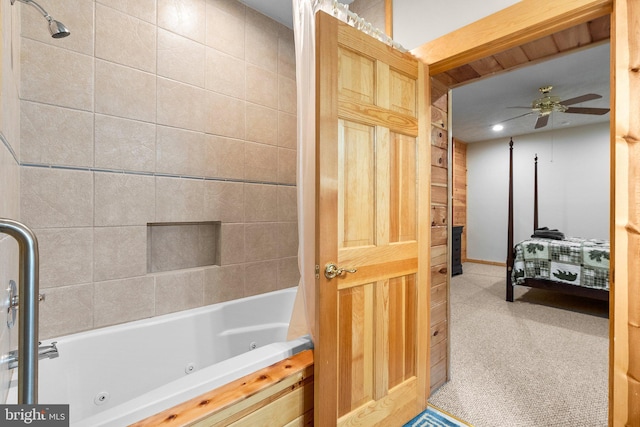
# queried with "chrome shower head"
point(56, 28)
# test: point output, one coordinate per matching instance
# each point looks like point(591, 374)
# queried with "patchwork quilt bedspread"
point(580, 262)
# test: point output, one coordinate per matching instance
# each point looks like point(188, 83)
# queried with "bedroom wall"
point(573, 186)
point(438, 17)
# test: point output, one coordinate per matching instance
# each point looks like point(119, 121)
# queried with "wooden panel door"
point(371, 350)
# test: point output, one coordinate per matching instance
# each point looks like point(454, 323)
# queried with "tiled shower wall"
point(155, 111)
point(9, 168)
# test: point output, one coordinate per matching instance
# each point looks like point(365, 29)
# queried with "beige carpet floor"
point(540, 361)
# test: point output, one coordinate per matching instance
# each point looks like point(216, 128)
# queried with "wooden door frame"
point(529, 20)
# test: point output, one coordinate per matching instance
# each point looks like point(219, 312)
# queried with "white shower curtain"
point(303, 317)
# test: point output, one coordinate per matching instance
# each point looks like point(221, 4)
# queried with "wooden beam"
point(624, 356)
point(521, 23)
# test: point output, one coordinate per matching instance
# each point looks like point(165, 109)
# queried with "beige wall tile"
point(261, 203)
point(143, 9)
point(224, 73)
point(181, 105)
point(181, 152)
point(261, 241)
point(212, 157)
point(56, 135)
point(42, 82)
point(288, 272)
point(9, 261)
point(184, 17)
point(124, 144)
point(232, 244)
point(232, 7)
point(261, 162)
point(223, 283)
point(120, 301)
point(288, 239)
point(179, 200)
point(76, 15)
point(229, 156)
point(10, 103)
point(262, 86)
point(287, 130)
point(125, 39)
point(286, 53)
point(287, 203)
point(225, 27)
point(119, 252)
point(224, 201)
point(54, 198)
point(123, 199)
point(261, 47)
point(226, 116)
point(260, 278)
point(66, 310)
point(10, 82)
point(125, 92)
point(287, 166)
point(287, 95)
point(66, 256)
point(262, 124)
point(372, 10)
point(180, 58)
point(9, 185)
point(179, 291)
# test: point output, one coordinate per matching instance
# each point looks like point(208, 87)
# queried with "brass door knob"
point(331, 271)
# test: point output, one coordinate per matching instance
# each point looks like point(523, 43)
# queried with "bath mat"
point(434, 417)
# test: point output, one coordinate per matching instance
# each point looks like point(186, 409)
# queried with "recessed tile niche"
point(176, 246)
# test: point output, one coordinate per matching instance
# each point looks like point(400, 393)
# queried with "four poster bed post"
point(510, 227)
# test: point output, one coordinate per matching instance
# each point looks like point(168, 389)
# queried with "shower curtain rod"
point(342, 12)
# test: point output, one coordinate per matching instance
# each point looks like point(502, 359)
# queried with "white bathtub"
point(117, 375)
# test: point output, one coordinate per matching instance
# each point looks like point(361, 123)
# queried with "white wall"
point(573, 187)
point(416, 22)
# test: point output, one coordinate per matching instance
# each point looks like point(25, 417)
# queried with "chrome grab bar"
point(28, 309)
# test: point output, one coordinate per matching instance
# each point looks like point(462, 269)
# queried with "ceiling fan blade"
point(542, 122)
point(579, 110)
point(516, 117)
point(579, 99)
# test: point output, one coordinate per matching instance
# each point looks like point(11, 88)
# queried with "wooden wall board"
point(459, 201)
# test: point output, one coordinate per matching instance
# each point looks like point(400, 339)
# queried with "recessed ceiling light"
point(497, 127)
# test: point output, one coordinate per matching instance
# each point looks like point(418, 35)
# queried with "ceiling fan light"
point(497, 128)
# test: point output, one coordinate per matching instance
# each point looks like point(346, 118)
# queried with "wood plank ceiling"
point(560, 43)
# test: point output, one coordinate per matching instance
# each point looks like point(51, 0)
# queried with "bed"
point(569, 265)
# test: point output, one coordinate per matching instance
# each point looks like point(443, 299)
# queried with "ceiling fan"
point(548, 104)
